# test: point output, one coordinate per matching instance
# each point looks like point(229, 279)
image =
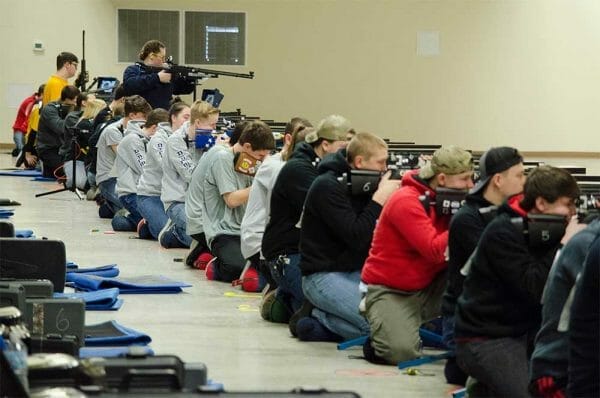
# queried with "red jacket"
point(20, 123)
point(409, 246)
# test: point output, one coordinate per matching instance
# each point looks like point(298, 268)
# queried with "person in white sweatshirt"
point(148, 190)
point(179, 160)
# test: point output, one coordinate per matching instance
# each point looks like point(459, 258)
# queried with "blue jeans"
point(176, 212)
point(289, 279)
point(336, 298)
point(448, 333)
point(19, 139)
point(499, 364)
point(130, 222)
point(153, 211)
point(108, 191)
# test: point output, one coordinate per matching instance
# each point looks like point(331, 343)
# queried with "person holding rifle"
point(146, 79)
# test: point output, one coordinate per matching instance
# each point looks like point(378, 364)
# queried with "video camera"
point(365, 182)
point(447, 201)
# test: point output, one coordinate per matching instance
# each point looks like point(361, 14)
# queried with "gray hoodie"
point(179, 160)
point(131, 156)
point(151, 179)
point(112, 135)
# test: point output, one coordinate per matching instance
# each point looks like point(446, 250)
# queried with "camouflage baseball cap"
point(448, 160)
point(332, 128)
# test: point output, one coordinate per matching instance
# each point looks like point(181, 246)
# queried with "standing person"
point(501, 175)
point(22, 120)
point(499, 312)
point(179, 160)
point(406, 269)
point(146, 79)
point(66, 68)
point(149, 186)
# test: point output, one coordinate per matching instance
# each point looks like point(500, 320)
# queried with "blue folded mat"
point(110, 352)
point(24, 233)
point(100, 300)
point(112, 333)
point(139, 284)
point(21, 173)
point(106, 271)
point(6, 213)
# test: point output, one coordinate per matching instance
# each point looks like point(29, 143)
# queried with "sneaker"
point(310, 329)
point(143, 230)
point(193, 253)
point(92, 193)
point(210, 270)
point(161, 235)
point(202, 260)
point(302, 312)
point(272, 309)
point(250, 281)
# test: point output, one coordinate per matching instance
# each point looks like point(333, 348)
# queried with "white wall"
point(522, 73)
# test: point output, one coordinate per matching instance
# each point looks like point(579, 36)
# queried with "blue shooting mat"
point(21, 173)
point(111, 352)
point(43, 179)
point(6, 213)
point(146, 284)
point(24, 233)
point(100, 300)
point(112, 333)
point(106, 271)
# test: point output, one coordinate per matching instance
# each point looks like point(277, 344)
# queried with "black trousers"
point(51, 160)
point(230, 262)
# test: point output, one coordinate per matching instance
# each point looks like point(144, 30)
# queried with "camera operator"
point(70, 122)
point(501, 175)
point(282, 235)
point(156, 87)
point(51, 129)
point(337, 228)
point(405, 271)
point(498, 312)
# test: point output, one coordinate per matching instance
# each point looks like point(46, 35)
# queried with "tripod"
point(73, 187)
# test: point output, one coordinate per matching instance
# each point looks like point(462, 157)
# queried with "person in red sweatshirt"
point(22, 119)
point(405, 271)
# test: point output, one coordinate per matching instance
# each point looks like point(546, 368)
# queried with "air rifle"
point(193, 73)
point(83, 77)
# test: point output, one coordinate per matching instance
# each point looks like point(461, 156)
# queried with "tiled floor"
point(204, 324)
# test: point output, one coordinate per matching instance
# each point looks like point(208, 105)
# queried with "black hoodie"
point(502, 293)
point(337, 228)
point(466, 228)
point(287, 199)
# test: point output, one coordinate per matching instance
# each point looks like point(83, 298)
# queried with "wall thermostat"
point(38, 46)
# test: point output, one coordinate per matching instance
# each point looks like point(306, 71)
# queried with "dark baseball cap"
point(493, 161)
